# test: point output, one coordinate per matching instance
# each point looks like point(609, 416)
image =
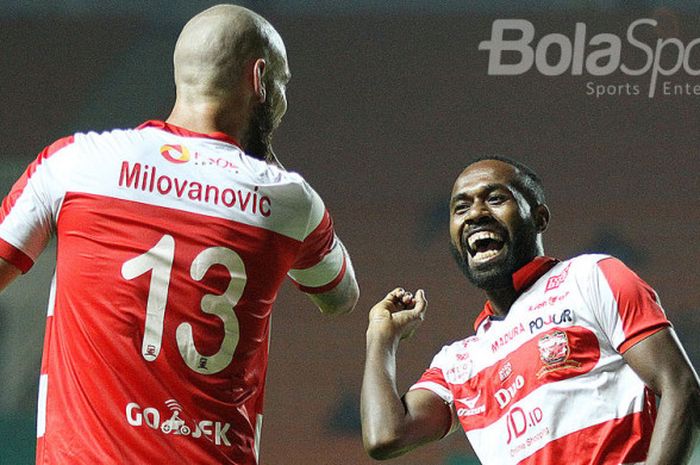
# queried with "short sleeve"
point(433, 379)
point(627, 307)
point(26, 218)
point(321, 261)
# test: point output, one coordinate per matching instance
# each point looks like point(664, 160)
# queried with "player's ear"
point(541, 216)
point(259, 68)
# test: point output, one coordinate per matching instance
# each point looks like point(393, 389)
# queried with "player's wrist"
point(381, 336)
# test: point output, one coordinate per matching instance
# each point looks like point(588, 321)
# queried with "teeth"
point(480, 236)
point(482, 256)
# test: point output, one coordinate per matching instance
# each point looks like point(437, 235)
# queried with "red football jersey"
point(172, 247)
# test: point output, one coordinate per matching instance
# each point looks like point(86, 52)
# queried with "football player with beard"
point(173, 241)
point(566, 357)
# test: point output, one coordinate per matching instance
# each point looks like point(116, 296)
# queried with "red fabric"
point(100, 315)
point(624, 440)
point(522, 279)
point(15, 256)
point(325, 287)
point(637, 303)
point(316, 245)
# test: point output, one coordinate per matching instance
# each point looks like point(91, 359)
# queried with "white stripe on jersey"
point(325, 271)
point(41, 408)
point(619, 388)
point(443, 393)
point(224, 183)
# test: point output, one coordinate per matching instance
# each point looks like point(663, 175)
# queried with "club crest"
point(554, 352)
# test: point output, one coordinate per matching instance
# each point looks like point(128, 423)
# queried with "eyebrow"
point(488, 188)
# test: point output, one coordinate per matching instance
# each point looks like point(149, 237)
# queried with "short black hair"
point(528, 183)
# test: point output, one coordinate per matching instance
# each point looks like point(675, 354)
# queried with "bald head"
point(216, 46)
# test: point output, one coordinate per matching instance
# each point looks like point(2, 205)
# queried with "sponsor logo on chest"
point(505, 395)
point(471, 406)
point(557, 280)
point(558, 318)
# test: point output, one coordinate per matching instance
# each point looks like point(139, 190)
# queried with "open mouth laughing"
point(485, 245)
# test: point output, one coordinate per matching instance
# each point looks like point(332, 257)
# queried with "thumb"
point(421, 303)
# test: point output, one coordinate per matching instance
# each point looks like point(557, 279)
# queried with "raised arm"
point(392, 425)
point(663, 365)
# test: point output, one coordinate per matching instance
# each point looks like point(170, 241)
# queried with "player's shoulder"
point(456, 351)
point(595, 268)
point(269, 174)
point(96, 139)
point(583, 264)
point(290, 185)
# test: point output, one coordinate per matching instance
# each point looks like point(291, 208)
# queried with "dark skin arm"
point(391, 425)
point(661, 363)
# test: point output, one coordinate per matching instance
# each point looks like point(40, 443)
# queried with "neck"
point(207, 118)
point(501, 299)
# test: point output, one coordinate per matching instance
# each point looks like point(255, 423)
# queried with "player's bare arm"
point(663, 365)
point(392, 425)
point(8, 273)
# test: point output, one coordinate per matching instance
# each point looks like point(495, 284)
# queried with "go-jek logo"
point(601, 55)
point(169, 422)
point(175, 153)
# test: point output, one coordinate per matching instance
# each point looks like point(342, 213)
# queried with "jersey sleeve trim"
point(637, 305)
point(324, 271)
point(441, 391)
point(633, 340)
point(15, 256)
point(326, 287)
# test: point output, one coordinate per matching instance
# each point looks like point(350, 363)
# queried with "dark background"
point(387, 104)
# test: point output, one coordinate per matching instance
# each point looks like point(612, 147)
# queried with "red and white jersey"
point(548, 381)
point(172, 246)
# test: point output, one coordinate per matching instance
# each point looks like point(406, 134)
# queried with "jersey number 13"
point(159, 261)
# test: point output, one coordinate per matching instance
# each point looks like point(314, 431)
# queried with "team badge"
point(554, 352)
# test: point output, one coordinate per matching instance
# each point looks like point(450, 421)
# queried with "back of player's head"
point(215, 46)
point(527, 182)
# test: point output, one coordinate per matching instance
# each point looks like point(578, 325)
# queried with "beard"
point(522, 248)
point(258, 139)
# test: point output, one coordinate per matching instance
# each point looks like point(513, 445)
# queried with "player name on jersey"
point(146, 178)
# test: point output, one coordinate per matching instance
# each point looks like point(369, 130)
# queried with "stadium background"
point(387, 102)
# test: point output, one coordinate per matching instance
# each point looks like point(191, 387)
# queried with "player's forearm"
point(382, 410)
point(342, 299)
point(676, 428)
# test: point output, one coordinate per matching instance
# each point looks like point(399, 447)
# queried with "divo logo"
point(556, 54)
point(175, 153)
